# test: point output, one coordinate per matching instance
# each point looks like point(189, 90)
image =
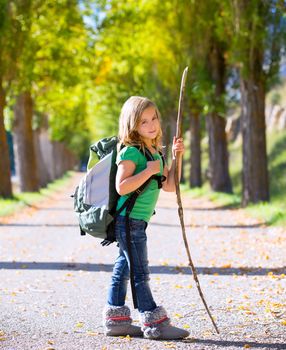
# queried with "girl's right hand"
point(153, 167)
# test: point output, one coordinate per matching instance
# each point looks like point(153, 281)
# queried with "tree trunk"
point(255, 184)
point(255, 173)
point(26, 164)
point(196, 169)
point(218, 162)
point(218, 154)
point(5, 172)
point(43, 173)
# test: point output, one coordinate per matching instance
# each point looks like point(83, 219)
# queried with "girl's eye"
point(154, 118)
point(144, 122)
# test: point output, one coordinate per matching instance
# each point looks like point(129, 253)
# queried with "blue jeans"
point(120, 276)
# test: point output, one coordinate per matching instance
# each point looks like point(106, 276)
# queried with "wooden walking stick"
point(179, 200)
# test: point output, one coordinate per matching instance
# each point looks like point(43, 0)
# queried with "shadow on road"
point(208, 226)
point(239, 344)
point(173, 270)
point(219, 208)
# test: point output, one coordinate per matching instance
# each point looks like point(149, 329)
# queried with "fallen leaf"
point(178, 286)
point(226, 266)
point(79, 325)
point(91, 333)
point(169, 345)
point(127, 337)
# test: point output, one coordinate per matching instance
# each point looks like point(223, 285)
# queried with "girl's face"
point(149, 125)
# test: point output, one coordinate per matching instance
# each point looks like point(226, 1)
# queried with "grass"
point(273, 212)
point(24, 199)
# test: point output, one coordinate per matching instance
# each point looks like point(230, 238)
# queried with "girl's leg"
point(140, 260)
point(117, 320)
point(155, 322)
point(118, 287)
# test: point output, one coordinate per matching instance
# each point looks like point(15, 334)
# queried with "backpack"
point(95, 197)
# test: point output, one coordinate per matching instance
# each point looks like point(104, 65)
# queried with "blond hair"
point(129, 120)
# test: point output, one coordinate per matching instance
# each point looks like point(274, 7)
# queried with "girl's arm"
point(126, 182)
point(178, 149)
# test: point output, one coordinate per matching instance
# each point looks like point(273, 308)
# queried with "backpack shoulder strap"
point(158, 178)
point(148, 155)
point(163, 158)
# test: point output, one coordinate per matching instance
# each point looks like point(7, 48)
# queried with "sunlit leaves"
point(54, 62)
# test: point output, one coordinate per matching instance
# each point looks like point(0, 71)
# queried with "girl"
point(139, 125)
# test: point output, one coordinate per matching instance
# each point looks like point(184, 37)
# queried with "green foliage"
point(257, 30)
point(136, 55)
point(82, 60)
point(14, 26)
point(63, 65)
point(67, 113)
point(54, 62)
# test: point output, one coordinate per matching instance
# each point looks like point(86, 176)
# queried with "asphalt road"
point(54, 282)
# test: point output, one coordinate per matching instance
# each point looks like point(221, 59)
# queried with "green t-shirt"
point(146, 201)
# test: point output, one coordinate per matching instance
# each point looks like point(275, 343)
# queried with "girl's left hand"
point(178, 148)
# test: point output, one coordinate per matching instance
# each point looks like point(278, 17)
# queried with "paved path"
point(54, 282)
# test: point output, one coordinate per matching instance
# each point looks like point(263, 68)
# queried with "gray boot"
point(117, 321)
point(156, 325)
